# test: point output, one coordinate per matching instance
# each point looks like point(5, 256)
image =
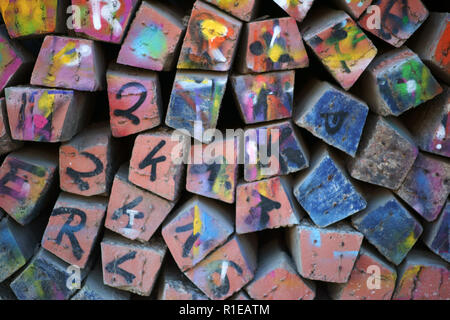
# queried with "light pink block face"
point(328, 256)
point(263, 205)
point(104, 20)
point(84, 221)
point(67, 63)
point(134, 102)
point(296, 9)
point(357, 7)
point(130, 268)
point(10, 62)
point(222, 273)
point(152, 40)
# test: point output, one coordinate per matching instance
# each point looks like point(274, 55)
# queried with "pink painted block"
point(74, 225)
point(266, 204)
point(157, 162)
point(226, 270)
point(7, 143)
point(135, 103)
point(372, 278)
point(154, 38)
point(325, 254)
point(435, 235)
point(355, 8)
point(296, 9)
point(70, 63)
point(133, 212)
point(423, 276)
point(131, 266)
point(243, 9)
point(104, 20)
point(195, 229)
point(45, 115)
point(277, 279)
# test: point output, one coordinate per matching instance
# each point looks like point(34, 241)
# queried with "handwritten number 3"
point(128, 113)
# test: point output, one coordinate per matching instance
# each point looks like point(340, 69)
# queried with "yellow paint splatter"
point(197, 227)
point(46, 104)
point(212, 29)
point(275, 52)
point(65, 56)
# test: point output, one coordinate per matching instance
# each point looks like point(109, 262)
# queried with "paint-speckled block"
point(243, 9)
point(45, 278)
point(7, 143)
point(131, 266)
point(340, 44)
point(134, 212)
point(325, 254)
point(432, 44)
point(195, 102)
point(326, 191)
point(70, 63)
point(195, 229)
point(154, 38)
point(436, 234)
point(73, 228)
point(135, 103)
point(104, 20)
point(398, 20)
point(87, 163)
point(423, 276)
point(273, 149)
point(45, 115)
point(388, 225)
point(332, 115)
point(427, 185)
point(270, 45)
point(213, 172)
point(353, 7)
point(157, 162)
point(266, 204)
point(372, 278)
point(385, 155)
point(228, 269)
point(277, 279)
point(296, 9)
point(397, 81)
point(264, 97)
point(211, 39)
point(27, 177)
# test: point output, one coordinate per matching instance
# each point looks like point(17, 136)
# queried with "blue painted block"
point(332, 115)
point(388, 225)
point(325, 190)
point(436, 234)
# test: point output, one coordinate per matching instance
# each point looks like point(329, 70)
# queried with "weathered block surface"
point(340, 44)
point(195, 102)
point(399, 20)
point(26, 179)
point(372, 278)
point(423, 276)
point(33, 18)
point(45, 115)
point(266, 204)
point(274, 149)
point(270, 45)
point(277, 279)
point(326, 191)
point(157, 163)
point(264, 97)
point(131, 266)
point(195, 229)
point(296, 9)
point(427, 186)
point(7, 144)
point(134, 98)
point(87, 162)
point(154, 38)
point(228, 269)
point(388, 225)
point(211, 39)
point(243, 10)
point(332, 115)
point(45, 278)
point(436, 234)
point(213, 173)
point(133, 212)
point(385, 155)
point(325, 254)
point(70, 63)
point(104, 20)
point(241, 295)
point(73, 228)
point(397, 81)
point(353, 7)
